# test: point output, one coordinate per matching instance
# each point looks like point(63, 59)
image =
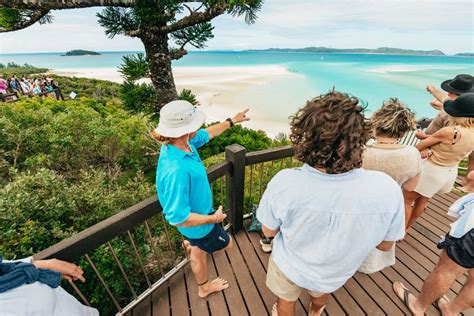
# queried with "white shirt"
point(39, 299)
point(463, 210)
point(329, 223)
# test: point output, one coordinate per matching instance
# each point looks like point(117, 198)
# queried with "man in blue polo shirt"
point(183, 187)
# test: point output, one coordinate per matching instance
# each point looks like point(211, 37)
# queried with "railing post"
point(235, 180)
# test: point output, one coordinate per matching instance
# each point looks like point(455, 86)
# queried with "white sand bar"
point(223, 91)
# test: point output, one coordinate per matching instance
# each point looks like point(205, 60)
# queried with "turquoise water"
point(372, 78)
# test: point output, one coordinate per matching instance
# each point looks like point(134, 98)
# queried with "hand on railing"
point(219, 215)
point(69, 271)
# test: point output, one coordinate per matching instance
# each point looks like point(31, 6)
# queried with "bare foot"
point(275, 310)
point(407, 298)
point(215, 285)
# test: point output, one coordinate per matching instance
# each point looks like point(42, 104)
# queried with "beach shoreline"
point(221, 91)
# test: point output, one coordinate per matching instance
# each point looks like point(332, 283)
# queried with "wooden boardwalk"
point(245, 268)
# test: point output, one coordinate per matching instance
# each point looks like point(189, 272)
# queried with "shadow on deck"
point(245, 268)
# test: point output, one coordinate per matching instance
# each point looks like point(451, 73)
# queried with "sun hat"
point(463, 106)
point(178, 118)
point(459, 85)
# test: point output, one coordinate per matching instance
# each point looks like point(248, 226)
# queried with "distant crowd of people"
point(30, 86)
point(357, 194)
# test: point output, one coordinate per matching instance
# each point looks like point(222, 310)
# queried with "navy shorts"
point(216, 240)
point(460, 250)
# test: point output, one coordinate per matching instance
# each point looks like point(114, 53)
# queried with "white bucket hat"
point(178, 118)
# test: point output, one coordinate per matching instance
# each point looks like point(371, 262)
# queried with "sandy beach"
point(221, 91)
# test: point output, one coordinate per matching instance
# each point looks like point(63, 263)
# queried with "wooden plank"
point(379, 296)
point(366, 303)
point(232, 295)
point(144, 308)
point(160, 301)
point(256, 267)
point(255, 240)
point(346, 301)
point(248, 288)
point(178, 295)
point(387, 287)
point(198, 305)
point(333, 308)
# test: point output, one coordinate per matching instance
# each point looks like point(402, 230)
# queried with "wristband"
point(230, 121)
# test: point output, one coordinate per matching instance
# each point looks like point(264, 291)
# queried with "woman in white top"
point(403, 163)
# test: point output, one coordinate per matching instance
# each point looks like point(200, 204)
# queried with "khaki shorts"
point(435, 179)
point(282, 287)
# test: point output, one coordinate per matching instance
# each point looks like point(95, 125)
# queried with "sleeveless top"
point(448, 155)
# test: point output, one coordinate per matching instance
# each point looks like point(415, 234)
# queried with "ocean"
point(371, 78)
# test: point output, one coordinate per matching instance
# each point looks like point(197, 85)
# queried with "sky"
point(447, 25)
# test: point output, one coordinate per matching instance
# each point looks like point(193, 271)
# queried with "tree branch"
point(176, 54)
point(34, 17)
point(61, 4)
point(134, 33)
point(195, 18)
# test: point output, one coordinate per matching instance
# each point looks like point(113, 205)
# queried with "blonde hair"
point(159, 138)
point(393, 119)
point(461, 121)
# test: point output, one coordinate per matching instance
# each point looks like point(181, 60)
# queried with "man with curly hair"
point(328, 215)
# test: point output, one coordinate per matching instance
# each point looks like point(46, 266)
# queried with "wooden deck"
point(245, 269)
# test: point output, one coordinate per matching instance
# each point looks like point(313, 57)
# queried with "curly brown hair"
point(393, 119)
point(330, 132)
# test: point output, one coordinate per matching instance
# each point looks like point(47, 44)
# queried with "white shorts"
point(436, 179)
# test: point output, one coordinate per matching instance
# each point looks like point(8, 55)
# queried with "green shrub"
point(138, 97)
point(70, 136)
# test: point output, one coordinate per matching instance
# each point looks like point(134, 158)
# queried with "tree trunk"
point(159, 61)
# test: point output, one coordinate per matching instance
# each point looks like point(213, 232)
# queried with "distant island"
point(80, 52)
point(380, 50)
point(465, 54)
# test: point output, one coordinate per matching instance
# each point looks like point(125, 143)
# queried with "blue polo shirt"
point(183, 187)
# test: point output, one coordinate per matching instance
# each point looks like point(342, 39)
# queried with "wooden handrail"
point(89, 239)
point(265, 155)
point(72, 248)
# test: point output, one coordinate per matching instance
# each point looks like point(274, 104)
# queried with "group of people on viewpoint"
point(356, 195)
point(358, 192)
point(30, 86)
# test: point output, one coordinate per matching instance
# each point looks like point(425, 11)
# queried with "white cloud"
point(421, 24)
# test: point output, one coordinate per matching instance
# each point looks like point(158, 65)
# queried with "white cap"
point(178, 118)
